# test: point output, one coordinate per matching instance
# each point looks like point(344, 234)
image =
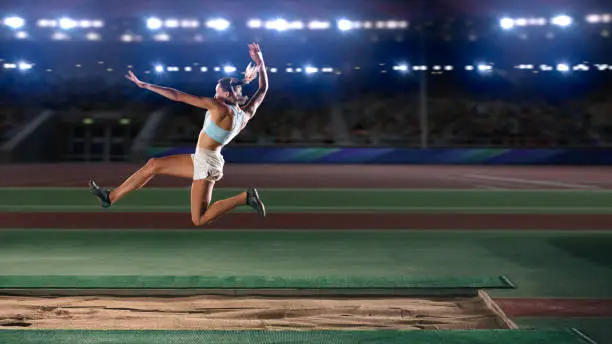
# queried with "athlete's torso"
point(213, 136)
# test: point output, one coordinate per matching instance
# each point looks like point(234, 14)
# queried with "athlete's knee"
point(154, 165)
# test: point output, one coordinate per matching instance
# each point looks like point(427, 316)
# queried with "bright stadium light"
point(203, 69)
point(469, 67)
point(562, 20)
point(593, 18)
point(319, 25)
point(172, 69)
point(67, 23)
point(484, 68)
point(311, 70)
point(162, 37)
point(344, 25)
point(21, 35)
point(85, 23)
point(520, 22)
point(14, 22)
point(92, 36)
point(229, 69)
point(159, 68)
point(24, 65)
point(448, 68)
point(402, 68)
point(10, 66)
point(219, 24)
point(327, 70)
point(254, 23)
point(562, 67)
point(60, 36)
point(172, 23)
point(127, 38)
point(273, 70)
point(277, 24)
point(506, 23)
point(154, 23)
point(296, 25)
point(289, 70)
point(97, 23)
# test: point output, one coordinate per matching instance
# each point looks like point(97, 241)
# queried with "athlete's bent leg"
point(202, 212)
point(175, 165)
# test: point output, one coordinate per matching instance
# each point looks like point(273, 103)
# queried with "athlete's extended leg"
point(176, 165)
point(202, 213)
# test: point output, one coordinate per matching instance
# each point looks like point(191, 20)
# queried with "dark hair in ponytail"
point(234, 87)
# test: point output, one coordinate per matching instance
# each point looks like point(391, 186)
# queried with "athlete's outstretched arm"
point(255, 101)
point(172, 94)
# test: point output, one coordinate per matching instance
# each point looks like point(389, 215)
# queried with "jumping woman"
point(227, 114)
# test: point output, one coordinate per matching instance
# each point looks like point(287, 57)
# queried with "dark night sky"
point(299, 9)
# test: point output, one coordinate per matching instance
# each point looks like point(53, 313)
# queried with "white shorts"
point(207, 165)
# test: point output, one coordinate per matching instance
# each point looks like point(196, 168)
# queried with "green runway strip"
point(564, 336)
point(245, 282)
point(320, 200)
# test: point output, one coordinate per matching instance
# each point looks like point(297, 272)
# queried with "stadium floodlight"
point(217, 69)
point(289, 70)
point(344, 25)
point(296, 25)
point(21, 35)
point(92, 36)
point(563, 67)
point(469, 67)
point(204, 69)
point(520, 22)
point(219, 24)
point(154, 23)
point(311, 70)
point(60, 36)
point(159, 68)
point(277, 24)
point(187, 69)
point(172, 69)
point(162, 37)
point(562, 20)
point(403, 24)
point(24, 65)
point(402, 68)
point(319, 25)
point(448, 68)
point(171, 23)
point(593, 18)
point(229, 69)
point(506, 23)
point(97, 23)
point(127, 38)
point(327, 70)
point(14, 22)
point(10, 66)
point(254, 23)
point(85, 23)
point(67, 23)
point(273, 70)
point(606, 18)
point(190, 24)
point(298, 70)
point(484, 68)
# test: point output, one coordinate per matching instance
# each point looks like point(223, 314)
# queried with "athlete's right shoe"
point(254, 202)
point(102, 194)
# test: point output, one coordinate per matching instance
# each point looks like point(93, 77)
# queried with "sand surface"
point(235, 313)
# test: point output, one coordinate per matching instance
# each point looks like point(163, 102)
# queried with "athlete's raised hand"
point(255, 52)
point(130, 76)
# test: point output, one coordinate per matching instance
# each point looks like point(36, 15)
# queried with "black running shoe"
point(254, 202)
point(102, 194)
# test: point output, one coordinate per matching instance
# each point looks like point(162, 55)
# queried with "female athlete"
point(227, 114)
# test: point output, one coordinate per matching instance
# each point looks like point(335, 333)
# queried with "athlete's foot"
point(254, 202)
point(102, 194)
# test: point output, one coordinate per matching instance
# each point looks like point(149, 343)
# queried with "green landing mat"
point(562, 336)
point(244, 282)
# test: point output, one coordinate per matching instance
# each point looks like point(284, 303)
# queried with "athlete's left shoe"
point(255, 202)
point(102, 194)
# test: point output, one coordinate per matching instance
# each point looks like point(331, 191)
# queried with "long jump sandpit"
point(215, 312)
